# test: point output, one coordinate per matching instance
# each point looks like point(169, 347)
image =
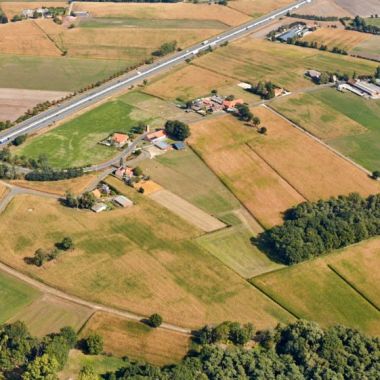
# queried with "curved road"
point(82, 101)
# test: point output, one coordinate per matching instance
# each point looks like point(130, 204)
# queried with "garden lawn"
point(364, 148)
point(76, 143)
point(313, 291)
point(14, 295)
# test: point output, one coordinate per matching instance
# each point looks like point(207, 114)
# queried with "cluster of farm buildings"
point(103, 198)
point(362, 88)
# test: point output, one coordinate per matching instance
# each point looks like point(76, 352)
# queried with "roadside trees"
point(155, 320)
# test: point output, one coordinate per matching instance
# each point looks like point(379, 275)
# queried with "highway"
point(82, 101)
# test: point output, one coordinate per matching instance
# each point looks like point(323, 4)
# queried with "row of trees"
point(165, 49)
point(49, 174)
point(298, 351)
point(313, 17)
point(314, 228)
point(314, 45)
point(42, 255)
point(360, 24)
point(7, 172)
point(84, 201)
point(25, 357)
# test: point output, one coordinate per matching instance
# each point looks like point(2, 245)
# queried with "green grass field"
point(183, 173)
point(76, 142)
point(118, 22)
point(373, 21)
point(233, 247)
point(313, 291)
point(49, 314)
point(56, 74)
point(14, 296)
point(364, 148)
point(101, 364)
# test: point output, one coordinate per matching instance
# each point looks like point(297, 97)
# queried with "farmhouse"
point(313, 74)
point(96, 193)
point(123, 172)
point(230, 105)
point(123, 201)
point(119, 139)
point(99, 207)
point(156, 135)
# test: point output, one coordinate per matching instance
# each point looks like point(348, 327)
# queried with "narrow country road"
point(79, 301)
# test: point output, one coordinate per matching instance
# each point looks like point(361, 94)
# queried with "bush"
point(155, 320)
point(19, 140)
point(93, 344)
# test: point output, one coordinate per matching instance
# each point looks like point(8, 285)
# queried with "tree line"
point(24, 357)
point(360, 25)
point(313, 17)
point(315, 228)
point(298, 351)
point(49, 174)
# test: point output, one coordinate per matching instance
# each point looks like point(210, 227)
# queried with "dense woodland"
point(314, 228)
point(301, 350)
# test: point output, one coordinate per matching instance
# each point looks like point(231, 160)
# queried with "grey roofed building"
point(123, 201)
point(99, 207)
point(290, 34)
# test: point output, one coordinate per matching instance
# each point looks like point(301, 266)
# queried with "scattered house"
point(161, 144)
point(41, 12)
point(313, 74)
point(278, 91)
point(297, 31)
point(99, 207)
point(27, 13)
point(179, 145)
point(96, 193)
point(123, 172)
point(230, 105)
point(123, 201)
point(105, 189)
point(245, 86)
point(119, 139)
point(156, 135)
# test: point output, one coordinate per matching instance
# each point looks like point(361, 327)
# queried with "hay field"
point(26, 38)
point(223, 144)
point(15, 102)
point(369, 48)
point(316, 116)
point(257, 8)
point(187, 211)
point(176, 11)
point(363, 8)
point(309, 167)
point(359, 266)
point(313, 291)
point(252, 60)
point(343, 39)
point(186, 175)
point(186, 83)
point(131, 44)
point(74, 185)
point(138, 341)
point(76, 143)
point(233, 247)
point(49, 314)
point(53, 73)
point(13, 8)
point(141, 259)
point(363, 147)
point(14, 296)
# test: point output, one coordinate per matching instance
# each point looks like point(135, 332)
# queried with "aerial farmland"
point(189, 189)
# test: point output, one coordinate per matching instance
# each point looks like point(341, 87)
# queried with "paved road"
point(82, 101)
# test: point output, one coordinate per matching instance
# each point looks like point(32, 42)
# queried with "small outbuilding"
point(161, 145)
point(179, 145)
point(123, 201)
point(99, 207)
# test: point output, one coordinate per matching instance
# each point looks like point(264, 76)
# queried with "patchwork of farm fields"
point(142, 259)
point(137, 340)
point(272, 173)
point(76, 143)
point(345, 121)
point(340, 288)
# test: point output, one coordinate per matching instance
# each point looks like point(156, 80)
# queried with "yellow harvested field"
point(118, 43)
point(325, 8)
point(223, 144)
point(26, 38)
point(176, 11)
point(138, 341)
point(3, 190)
point(256, 8)
point(14, 102)
point(75, 185)
point(143, 259)
point(14, 8)
point(311, 168)
point(343, 39)
point(148, 186)
point(187, 211)
point(186, 83)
